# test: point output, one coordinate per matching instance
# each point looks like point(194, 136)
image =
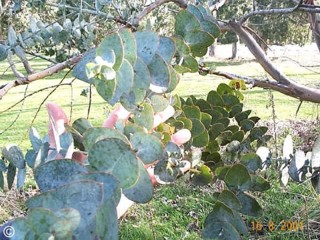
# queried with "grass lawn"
point(176, 212)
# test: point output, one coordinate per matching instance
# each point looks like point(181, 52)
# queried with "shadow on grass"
point(226, 63)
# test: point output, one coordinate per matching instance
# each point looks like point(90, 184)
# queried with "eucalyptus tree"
point(116, 46)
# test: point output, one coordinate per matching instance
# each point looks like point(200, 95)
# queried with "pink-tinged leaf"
point(163, 116)
point(58, 115)
point(110, 121)
point(79, 156)
point(181, 137)
point(57, 121)
point(119, 113)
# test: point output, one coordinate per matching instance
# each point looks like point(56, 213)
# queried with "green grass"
point(178, 211)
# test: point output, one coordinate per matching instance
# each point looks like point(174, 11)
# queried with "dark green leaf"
point(220, 212)
point(147, 45)
point(229, 199)
point(315, 180)
point(235, 110)
point(187, 123)
point(215, 115)
point(166, 49)
point(216, 130)
point(224, 113)
point(192, 112)
point(232, 128)
point(110, 184)
point(113, 42)
point(115, 156)
point(225, 121)
point(210, 28)
point(198, 41)
point(1, 181)
point(247, 125)
point(255, 133)
point(81, 125)
point(68, 221)
point(251, 161)
point(159, 102)
point(190, 64)
point(21, 176)
point(213, 146)
point(142, 77)
point(96, 134)
point(144, 116)
point(259, 183)
point(206, 119)
point(221, 172)
point(3, 52)
point(203, 104)
point(142, 190)
point(242, 116)
point(123, 81)
point(79, 70)
point(185, 22)
point(215, 98)
point(132, 128)
point(254, 119)
point(174, 79)
point(220, 230)
point(41, 219)
point(160, 75)
point(249, 205)
point(148, 148)
point(130, 45)
point(11, 173)
point(55, 173)
point(238, 178)
point(105, 88)
point(3, 166)
point(196, 12)
point(213, 158)
point(14, 155)
point(230, 101)
point(181, 47)
point(35, 139)
point(88, 193)
point(201, 140)
point(224, 89)
point(224, 138)
point(197, 127)
point(238, 136)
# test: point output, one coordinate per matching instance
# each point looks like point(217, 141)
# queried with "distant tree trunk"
point(234, 50)
point(212, 49)
point(315, 24)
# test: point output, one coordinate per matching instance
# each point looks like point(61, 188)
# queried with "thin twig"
point(39, 75)
point(245, 17)
point(43, 101)
point(18, 115)
point(31, 94)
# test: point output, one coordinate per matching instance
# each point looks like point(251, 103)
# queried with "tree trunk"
point(234, 50)
point(315, 27)
point(212, 49)
point(281, 82)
